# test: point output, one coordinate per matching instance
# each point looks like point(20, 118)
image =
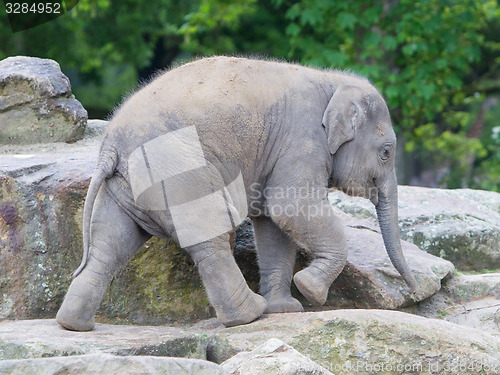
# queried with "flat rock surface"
point(273, 357)
point(468, 300)
point(46, 338)
point(368, 342)
point(110, 365)
point(341, 341)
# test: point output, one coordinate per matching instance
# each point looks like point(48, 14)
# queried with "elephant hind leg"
point(115, 237)
point(226, 288)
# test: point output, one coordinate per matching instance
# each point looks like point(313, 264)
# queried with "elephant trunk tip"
point(412, 284)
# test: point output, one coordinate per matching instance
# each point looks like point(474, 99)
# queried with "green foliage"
point(487, 176)
point(421, 55)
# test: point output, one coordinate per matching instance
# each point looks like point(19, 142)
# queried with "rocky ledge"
point(338, 342)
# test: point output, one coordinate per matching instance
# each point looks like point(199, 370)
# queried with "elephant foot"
point(311, 287)
point(76, 313)
point(283, 305)
point(252, 307)
point(71, 321)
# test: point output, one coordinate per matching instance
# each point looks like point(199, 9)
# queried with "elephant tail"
point(106, 166)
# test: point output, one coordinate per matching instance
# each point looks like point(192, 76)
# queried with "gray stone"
point(45, 338)
point(369, 342)
point(478, 314)
point(341, 341)
point(273, 357)
point(36, 104)
point(461, 225)
point(369, 279)
point(95, 128)
point(468, 300)
point(109, 365)
point(467, 288)
point(42, 192)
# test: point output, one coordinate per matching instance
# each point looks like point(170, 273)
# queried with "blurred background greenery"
point(437, 62)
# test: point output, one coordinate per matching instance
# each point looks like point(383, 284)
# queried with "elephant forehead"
point(379, 130)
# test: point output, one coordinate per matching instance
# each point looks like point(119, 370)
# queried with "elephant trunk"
point(387, 212)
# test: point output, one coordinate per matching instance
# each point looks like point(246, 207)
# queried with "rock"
point(369, 341)
point(45, 338)
point(461, 225)
point(468, 300)
point(369, 279)
point(478, 314)
point(273, 357)
point(95, 128)
point(468, 288)
point(36, 104)
point(110, 365)
point(42, 191)
point(340, 341)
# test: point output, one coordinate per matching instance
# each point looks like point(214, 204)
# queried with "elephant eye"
point(385, 153)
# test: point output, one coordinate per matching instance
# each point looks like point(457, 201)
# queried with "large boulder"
point(369, 279)
point(341, 342)
point(110, 365)
point(368, 342)
point(36, 103)
point(42, 191)
point(462, 225)
point(273, 357)
point(46, 338)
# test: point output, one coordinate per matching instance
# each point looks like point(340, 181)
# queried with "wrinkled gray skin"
point(281, 126)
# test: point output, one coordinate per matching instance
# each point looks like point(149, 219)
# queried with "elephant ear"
point(343, 116)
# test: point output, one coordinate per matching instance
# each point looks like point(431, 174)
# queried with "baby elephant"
point(207, 144)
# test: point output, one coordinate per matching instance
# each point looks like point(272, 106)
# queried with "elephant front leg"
point(312, 224)
point(226, 288)
point(114, 239)
point(276, 255)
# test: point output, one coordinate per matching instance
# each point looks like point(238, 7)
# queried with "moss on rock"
point(160, 285)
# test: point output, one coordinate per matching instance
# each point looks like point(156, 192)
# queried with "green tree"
point(421, 55)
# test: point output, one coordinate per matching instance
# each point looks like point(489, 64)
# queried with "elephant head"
point(363, 146)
